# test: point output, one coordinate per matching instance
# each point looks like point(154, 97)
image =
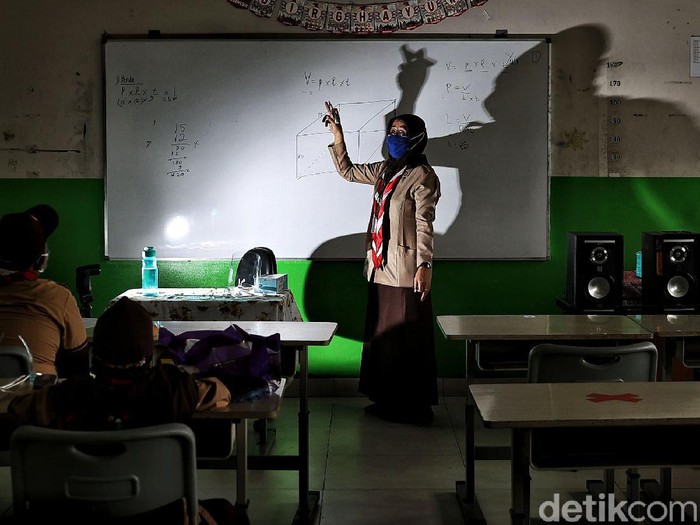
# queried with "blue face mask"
point(397, 145)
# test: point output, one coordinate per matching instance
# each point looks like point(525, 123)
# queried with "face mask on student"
point(397, 146)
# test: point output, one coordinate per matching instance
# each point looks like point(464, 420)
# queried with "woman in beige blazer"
point(398, 368)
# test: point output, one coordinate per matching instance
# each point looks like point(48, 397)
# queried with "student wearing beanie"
point(44, 313)
point(126, 389)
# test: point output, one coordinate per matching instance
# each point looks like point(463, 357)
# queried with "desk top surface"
point(292, 333)
point(587, 404)
point(198, 294)
point(263, 408)
point(670, 325)
point(539, 327)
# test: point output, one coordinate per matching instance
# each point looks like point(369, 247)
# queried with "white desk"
point(474, 329)
point(300, 335)
point(214, 304)
point(601, 415)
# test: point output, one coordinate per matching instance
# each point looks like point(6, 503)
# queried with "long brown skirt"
point(398, 364)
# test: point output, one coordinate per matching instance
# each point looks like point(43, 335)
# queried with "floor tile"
point(368, 471)
point(389, 506)
point(393, 472)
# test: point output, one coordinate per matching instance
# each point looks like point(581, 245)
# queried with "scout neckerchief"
point(15, 277)
point(382, 194)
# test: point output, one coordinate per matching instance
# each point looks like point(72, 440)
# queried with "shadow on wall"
point(578, 59)
point(645, 137)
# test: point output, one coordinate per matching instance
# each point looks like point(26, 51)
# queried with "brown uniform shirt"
point(46, 315)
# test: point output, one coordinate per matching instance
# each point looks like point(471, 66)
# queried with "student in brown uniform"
point(126, 390)
point(44, 313)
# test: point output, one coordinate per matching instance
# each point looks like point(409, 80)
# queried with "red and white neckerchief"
point(15, 277)
point(381, 195)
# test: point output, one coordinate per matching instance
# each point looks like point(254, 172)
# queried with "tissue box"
point(274, 282)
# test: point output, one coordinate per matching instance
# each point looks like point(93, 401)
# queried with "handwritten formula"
point(179, 150)
point(132, 92)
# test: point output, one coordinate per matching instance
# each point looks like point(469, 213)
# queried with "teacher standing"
point(398, 370)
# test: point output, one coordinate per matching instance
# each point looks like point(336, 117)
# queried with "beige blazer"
point(411, 217)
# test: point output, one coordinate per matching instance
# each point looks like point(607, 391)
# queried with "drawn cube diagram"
point(364, 126)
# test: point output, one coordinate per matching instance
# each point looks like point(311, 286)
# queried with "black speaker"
point(595, 271)
point(670, 270)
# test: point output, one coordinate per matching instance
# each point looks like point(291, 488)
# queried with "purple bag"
point(244, 362)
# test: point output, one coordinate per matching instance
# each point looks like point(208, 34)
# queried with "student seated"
point(44, 313)
point(126, 390)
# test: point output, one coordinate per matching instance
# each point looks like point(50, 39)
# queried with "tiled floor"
point(372, 472)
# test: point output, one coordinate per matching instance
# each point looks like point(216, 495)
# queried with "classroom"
point(622, 154)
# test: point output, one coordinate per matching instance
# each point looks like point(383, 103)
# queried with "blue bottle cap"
point(149, 251)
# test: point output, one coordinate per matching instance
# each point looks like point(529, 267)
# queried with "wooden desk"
point(474, 329)
point(599, 414)
point(540, 327)
point(214, 304)
point(295, 334)
point(673, 329)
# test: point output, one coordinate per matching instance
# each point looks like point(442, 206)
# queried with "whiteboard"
point(214, 146)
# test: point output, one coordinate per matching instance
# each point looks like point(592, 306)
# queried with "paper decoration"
point(359, 19)
point(314, 17)
point(387, 17)
point(262, 7)
point(455, 7)
point(432, 11)
point(338, 18)
point(291, 12)
point(409, 15)
point(242, 4)
point(362, 19)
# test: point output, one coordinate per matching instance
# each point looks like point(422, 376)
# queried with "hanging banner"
point(358, 19)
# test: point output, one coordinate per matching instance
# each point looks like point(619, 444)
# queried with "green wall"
point(335, 291)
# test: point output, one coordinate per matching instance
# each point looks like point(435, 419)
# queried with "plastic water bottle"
point(149, 271)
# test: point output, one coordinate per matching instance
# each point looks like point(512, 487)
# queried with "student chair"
point(561, 363)
point(83, 285)
point(95, 476)
point(14, 361)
